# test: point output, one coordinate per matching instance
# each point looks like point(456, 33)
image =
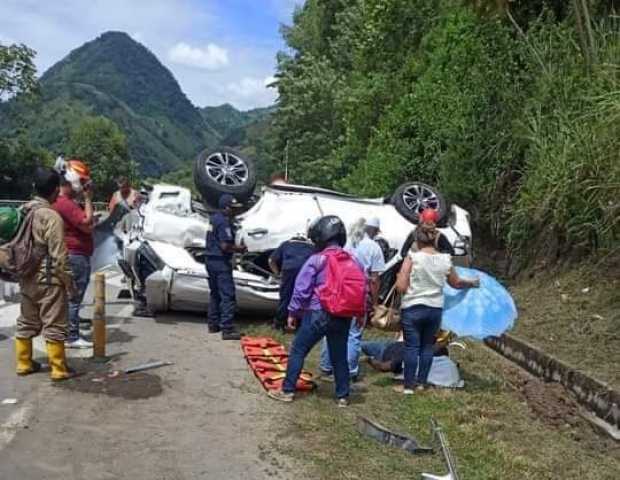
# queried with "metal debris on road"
point(146, 366)
point(9, 401)
point(383, 435)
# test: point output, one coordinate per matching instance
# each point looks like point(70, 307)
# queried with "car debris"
point(380, 433)
point(163, 253)
point(146, 366)
point(438, 435)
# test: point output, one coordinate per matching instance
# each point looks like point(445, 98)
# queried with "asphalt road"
point(205, 417)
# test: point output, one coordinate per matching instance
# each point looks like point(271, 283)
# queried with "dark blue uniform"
point(219, 270)
point(290, 256)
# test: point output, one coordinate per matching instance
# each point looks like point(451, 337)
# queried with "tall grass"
point(568, 200)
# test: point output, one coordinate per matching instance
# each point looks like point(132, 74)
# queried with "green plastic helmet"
point(10, 220)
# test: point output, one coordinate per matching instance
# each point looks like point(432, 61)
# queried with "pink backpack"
point(344, 292)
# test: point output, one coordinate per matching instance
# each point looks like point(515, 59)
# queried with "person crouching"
point(308, 303)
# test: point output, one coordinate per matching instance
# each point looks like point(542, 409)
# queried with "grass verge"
point(574, 314)
point(503, 425)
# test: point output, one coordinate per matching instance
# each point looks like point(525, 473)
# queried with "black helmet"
point(326, 229)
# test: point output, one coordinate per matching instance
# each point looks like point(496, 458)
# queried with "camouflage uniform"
point(45, 296)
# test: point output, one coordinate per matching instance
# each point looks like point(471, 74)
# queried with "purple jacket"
point(311, 276)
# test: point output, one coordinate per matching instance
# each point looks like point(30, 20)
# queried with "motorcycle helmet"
point(327, 229)
point(73, 171)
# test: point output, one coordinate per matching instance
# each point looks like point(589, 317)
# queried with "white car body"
point(173, 229)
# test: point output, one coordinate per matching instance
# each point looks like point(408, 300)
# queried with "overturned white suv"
point(163, 251)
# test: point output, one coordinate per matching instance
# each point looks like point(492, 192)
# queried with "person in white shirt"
point(362, 245)
point(421, 280)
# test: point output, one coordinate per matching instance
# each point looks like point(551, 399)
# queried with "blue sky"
point(219, 50)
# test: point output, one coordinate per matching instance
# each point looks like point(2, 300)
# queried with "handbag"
point(386, 315)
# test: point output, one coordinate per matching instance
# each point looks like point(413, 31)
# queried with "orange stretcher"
point(268, 360)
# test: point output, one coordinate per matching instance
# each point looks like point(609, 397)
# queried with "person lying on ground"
point(421, 280)
point(388, 356)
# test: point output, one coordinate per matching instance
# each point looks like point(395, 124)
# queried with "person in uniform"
point(220, 248)
point(286, 261)
point(44, 304)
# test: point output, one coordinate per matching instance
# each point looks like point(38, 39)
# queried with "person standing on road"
point(124, 195)
point(286, 261)
point(220, 247)
point(329, 235)
point(421, 280)
point(44, 297)
point(79, 224)
point(369, 254)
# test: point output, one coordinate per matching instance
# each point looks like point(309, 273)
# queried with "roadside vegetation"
point(510, 108)
point(503, 425)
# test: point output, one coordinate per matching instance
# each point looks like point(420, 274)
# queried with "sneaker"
point(342, 402)
point(281, 396)
point(214, 329)
point(79, 343)
point(327, 377)
point(231, 335)
point(403, 390)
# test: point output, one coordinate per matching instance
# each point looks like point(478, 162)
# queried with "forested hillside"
point(116, 77)
point(511, 108)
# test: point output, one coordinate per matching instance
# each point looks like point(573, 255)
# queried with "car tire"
point(411, 198)
point(221, 171)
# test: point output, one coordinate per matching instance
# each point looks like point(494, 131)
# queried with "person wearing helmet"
point(79, 224)
point(220, 247)
point(368, 252)
point(327, 233)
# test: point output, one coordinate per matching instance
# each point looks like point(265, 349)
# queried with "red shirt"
point(78, 242)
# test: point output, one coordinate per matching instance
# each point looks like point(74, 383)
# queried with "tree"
point(99, 142)
point(17, 70)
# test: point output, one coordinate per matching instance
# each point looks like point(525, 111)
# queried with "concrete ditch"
point(596, 396)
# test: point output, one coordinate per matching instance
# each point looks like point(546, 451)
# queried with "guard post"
point(99, 331)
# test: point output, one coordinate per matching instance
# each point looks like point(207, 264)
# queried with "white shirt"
point(369, 254)
point(429, 274)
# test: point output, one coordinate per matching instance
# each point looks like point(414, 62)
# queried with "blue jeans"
point(222, 301)
point(354, 348)
point(80, 267)
point(314, 326)
point(374, 349)
point(420, 325)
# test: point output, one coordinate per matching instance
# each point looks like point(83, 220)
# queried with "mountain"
point(226, 119)
point(119, 78)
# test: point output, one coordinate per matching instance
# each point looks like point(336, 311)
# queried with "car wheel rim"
point(418, 198)
point(226, 169)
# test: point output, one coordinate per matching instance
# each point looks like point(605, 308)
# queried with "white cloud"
point(211, 57)
point(252, 91)
point(55, 28)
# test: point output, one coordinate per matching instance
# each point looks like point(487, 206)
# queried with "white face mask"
point(74, 179)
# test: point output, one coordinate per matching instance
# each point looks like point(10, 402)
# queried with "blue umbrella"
point(478, 312)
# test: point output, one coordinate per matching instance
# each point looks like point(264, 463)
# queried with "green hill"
point(227, 120)
point(118, 78)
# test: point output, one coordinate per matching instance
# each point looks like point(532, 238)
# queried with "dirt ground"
point(204, 417)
